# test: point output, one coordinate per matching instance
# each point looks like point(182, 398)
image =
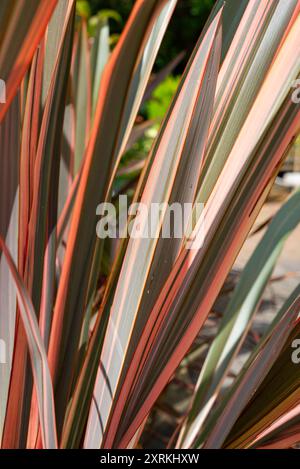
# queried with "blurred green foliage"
point(182, 34)
point(83, 8)
point(157, 106)
point(184, 29)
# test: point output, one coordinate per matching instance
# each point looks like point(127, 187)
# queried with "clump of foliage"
point(94, 328)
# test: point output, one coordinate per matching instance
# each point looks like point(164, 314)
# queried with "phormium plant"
point(94, 329)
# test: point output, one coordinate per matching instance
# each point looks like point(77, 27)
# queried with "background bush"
point(183, 31)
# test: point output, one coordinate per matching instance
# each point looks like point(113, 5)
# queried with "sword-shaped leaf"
point(239, 313)
point(176, 160)
point(38, 356)
point(22, 25)
point(122, 86)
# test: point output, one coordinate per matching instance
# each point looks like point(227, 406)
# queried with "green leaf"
point(99, 57)
point(39, 267)
point(253, 373)
point(82, 92)
point(123, 83)
point(198, 274)
point(83, 9)
point(239, 313)
point(176, 160)
point(38, 356)
point(9, 225)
